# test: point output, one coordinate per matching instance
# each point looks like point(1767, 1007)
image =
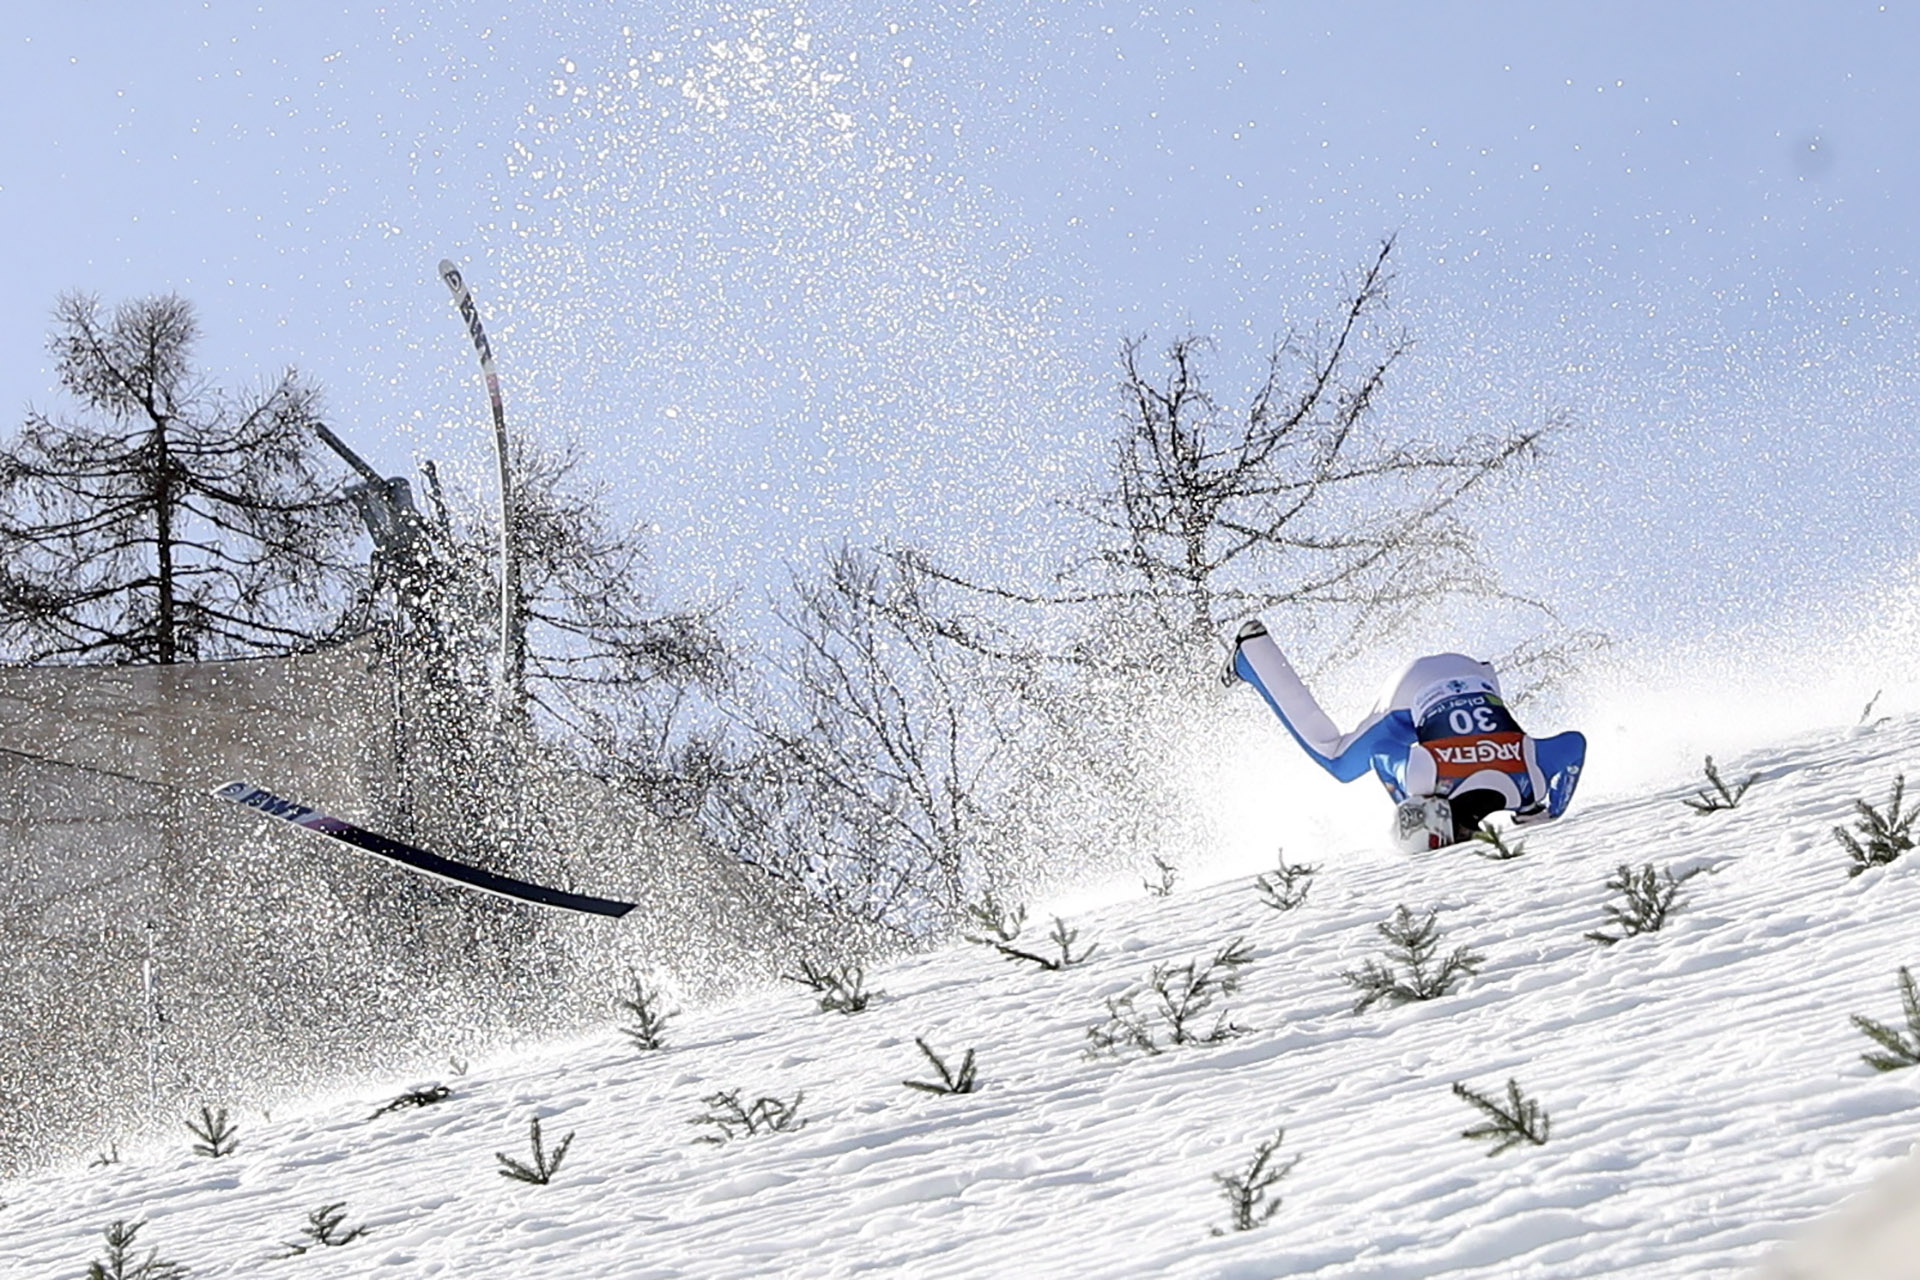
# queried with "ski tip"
point(450, 273)
point(231, 790)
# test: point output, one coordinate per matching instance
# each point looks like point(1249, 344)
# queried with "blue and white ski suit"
point(1440, 728)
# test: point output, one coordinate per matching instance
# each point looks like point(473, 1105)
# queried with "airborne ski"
point(513, 641)
point(300, 815)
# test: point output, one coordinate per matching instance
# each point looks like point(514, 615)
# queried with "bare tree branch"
point(873, 784)
point(1305, 500)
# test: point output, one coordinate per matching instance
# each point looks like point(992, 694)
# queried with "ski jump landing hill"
point(160, 948)
point(1707, 1094)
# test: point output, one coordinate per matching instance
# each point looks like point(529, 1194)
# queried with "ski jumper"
point(1440, 728)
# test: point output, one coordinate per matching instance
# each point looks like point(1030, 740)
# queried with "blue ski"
point(300, 815)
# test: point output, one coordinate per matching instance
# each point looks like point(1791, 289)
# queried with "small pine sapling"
point(1722, 796)
point(1183, 997)
point(545, 1164)
point(992, 924)
point(646, 1018)
point(425, 1096)
point(728, 1118)
point(1493, 845)
point(1126, 1027)
point(1882, 836)
point(1899, 1052)
point(1414, 944)
point(217, 1137)
point(962, 1081)
point(323, 1230)
point(1063, 939)
point(840, 990)
point(1649, 899)
point(1285, 888)
point(1247, 1190)
point(1169, 876)
point(120, 1265)
point(1521, 1120)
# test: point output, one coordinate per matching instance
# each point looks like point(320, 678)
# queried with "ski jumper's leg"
point(1346, 756)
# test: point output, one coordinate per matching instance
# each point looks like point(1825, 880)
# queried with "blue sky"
point(792, 271)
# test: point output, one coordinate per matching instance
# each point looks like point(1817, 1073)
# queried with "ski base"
point(464, 873)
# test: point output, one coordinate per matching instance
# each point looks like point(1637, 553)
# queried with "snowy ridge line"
point(311, 819)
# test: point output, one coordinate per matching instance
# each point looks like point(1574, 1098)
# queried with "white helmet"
point(1421, 823)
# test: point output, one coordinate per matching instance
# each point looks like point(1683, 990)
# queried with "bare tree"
point(176, 522)
point(592, 621)
point(1301, 500)
point(873, 787)
point(1304, 499)
point(610, 671)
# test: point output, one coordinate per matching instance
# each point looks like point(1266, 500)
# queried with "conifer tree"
point(1413, 947)
point(1521, 1120)
point(1881, 837)
point(1900, 1048)
point(170, 521)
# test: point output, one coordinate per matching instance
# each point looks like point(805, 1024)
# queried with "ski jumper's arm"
point(1561, 758)
point(1344, 755)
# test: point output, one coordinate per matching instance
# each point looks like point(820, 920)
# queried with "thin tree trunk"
point(167, 639)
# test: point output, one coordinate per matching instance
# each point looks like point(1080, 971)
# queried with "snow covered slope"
point(1705, 1089)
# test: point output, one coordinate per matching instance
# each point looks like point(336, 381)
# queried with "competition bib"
point(1467, 729)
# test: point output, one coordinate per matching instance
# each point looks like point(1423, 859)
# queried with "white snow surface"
point(1704, 1084)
